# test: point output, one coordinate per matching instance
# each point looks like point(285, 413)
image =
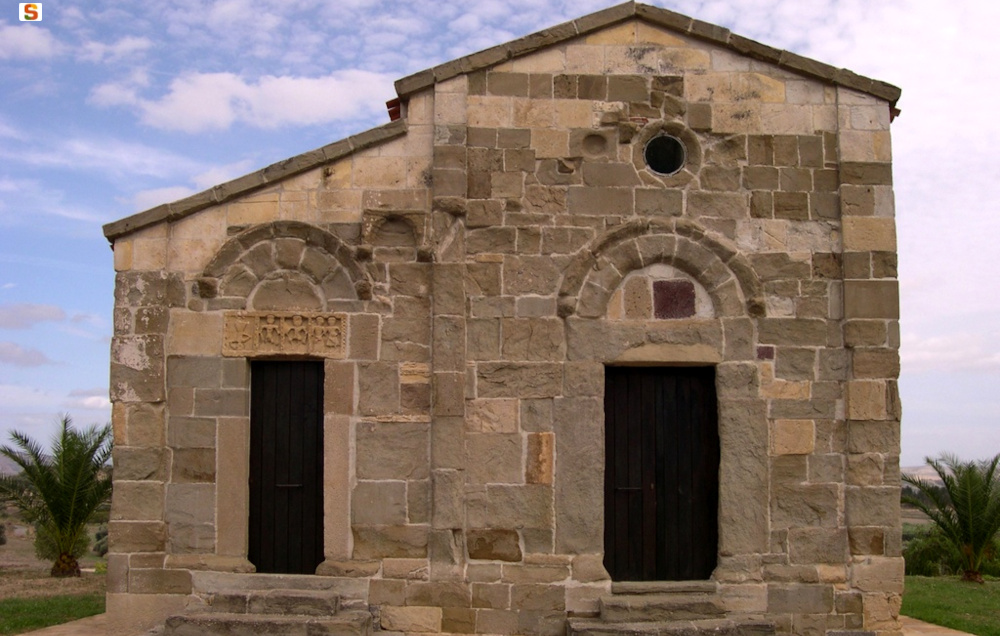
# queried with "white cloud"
point(18, 356)
point(128, 47)
point(146, 199)
point(108, 155)
point(27, 41)
point(199, 102)
point(950, 352)
point(90, 399)
point(20, 397)
point(24, 315)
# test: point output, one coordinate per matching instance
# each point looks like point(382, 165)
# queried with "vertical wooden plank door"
point(286, 466)
point(661, 473)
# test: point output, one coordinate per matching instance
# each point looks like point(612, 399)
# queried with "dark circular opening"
point(665, 154)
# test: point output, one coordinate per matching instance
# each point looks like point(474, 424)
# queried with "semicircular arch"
point(594, 275)
point(290, 253)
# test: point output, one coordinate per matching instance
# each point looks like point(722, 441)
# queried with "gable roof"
point(670, 20)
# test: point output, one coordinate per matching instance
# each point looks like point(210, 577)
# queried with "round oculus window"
point(665, 154)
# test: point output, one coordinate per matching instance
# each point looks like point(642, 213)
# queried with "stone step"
point(659, 607)
point(353, 623)
point(704, 627)
point(301, 602)
point(664, 587)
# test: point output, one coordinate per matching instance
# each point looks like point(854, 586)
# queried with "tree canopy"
point(61, 491)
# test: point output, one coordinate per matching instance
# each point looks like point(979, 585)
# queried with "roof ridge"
point(666, 18)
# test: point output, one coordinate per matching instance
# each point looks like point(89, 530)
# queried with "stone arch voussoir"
point(303, 251)
point(594, 274)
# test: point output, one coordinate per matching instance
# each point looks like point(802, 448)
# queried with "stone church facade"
point(491, 315)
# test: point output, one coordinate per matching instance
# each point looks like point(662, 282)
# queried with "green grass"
point(19, 615)
point(947, 601)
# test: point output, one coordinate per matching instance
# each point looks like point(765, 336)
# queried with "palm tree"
point(967, 509)
point(61, 492)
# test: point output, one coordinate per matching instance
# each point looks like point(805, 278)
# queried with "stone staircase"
point(666, 608)
point(281, 612)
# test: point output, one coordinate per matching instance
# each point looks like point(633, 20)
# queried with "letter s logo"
point(31, 12)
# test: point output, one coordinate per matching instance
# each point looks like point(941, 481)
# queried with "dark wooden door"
point(286, 466)
point(661, 474)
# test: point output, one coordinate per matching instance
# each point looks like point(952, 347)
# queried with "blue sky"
point(108, 108)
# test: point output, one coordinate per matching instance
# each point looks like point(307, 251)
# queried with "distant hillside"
point(924, 472)
point(8, 467)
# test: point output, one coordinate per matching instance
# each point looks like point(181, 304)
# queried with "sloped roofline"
point(255, 180)
point(422, 80)
point(665, 18)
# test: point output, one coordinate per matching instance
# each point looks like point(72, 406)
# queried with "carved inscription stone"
point(249, 334)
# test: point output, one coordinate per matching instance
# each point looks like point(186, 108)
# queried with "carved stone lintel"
point(262, 333)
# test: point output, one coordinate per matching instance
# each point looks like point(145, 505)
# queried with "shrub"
point(101, 541)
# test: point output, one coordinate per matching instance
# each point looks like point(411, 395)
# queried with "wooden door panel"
point(286, 466)
point(661, 473)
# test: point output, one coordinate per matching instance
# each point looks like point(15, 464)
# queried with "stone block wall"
point(485, 262)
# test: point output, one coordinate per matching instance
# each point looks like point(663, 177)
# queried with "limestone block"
point(378, 388)
point(439, 593)
point(158, 581)
point(144, 425)
point(397, 450)
point(494, 458)
point(792, 331)
point(579, 481)
point(449, 343)
point(139, 464)
point(449, 393)
point(742, 477)
point(363, 336)
point(137, 501)
point(492, 415)
point(496, 621)
point(873, 437)
point(520, 379)
point(191, 432)
point(872, 506)
point(549, 143)
point(149, 254)
point(190, 504)
point(495, 544)
point(869, 234)
point(877, 574)
point(530, 275)
point(866, 400)
point(193, 465)
point(817, 545)
point(799, 599)
point(793, 437)
point(224, 402)
point(448, 505)
point(491, 596)
point(805, 505)
point(871, 299)
point(137, 369)
point(137, 536)
point(411, 619)
point(379, 503)
point(865, 470)
point(537, 597)
point(387, 592)
point(536, 415)
point(375, 542)
point(539, 463)
point(511, 506)
point(409, 569)
point(881, 611)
